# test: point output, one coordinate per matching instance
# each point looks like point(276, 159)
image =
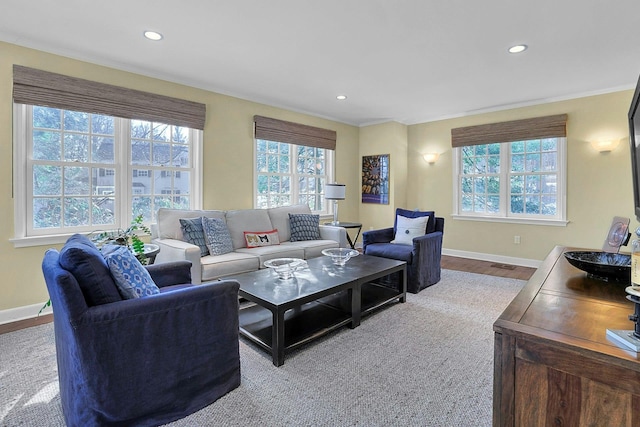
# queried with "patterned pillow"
point(304, 227)
point(194, 234)
point(217, 236)
point(132, 279)
point(255, 239)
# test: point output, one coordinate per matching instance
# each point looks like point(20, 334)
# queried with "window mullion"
point(505, 178)
point(123, 181)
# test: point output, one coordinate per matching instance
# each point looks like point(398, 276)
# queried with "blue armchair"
point(140, 361)
point(423, 256)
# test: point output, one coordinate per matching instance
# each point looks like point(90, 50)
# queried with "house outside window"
point(288, 174)
point(521, 181)
point(293, 163)
point(85, 172)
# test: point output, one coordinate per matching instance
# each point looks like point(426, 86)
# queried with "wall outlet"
point(516, 240)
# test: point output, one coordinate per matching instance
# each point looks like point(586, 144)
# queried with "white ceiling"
point(410, 61)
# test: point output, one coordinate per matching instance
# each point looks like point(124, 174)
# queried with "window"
point(289, 174)
point(516, 180)
point(84, 172)
point(293, 162)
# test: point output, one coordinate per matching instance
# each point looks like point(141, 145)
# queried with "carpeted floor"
point(428, 362)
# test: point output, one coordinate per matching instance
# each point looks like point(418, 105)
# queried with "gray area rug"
point(428, 362)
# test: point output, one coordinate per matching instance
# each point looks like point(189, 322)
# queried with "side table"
point(349, 225)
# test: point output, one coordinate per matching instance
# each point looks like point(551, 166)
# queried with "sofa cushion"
point(256, 239)
point(214, 267)
point(266, 253)
point(132, 279)
point(193, 233)
point(409, 228)
point(313, 248)
point(304, 227)
point(431, 224)
point(280, 219)
point(81, 258)
point(168, 224)
point(242, 220)
point(217, 236)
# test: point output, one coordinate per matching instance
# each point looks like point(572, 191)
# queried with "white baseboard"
point(523, 262)
point(22, 313)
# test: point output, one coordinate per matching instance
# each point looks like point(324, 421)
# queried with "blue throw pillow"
point(132, 279)
point(194, 234)
point(304, 227)
point(80, 257)
point(217, 236)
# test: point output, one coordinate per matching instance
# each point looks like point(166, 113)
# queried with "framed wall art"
point(375, 179)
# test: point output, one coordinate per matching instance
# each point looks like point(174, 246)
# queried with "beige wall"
point(598, 185)
point(387, 138)
point(228, 157)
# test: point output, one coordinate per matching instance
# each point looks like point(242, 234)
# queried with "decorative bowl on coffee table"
point(340, 256)
point(285, 267)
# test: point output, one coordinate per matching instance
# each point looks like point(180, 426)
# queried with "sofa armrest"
point(383, 235)
point(338, 234)
point(177, 250)
point(170, 273)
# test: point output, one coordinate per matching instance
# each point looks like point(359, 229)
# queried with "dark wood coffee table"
point(285, 314)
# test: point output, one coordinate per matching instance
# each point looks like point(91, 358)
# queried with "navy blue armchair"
point(423, 256)
point(142, 361)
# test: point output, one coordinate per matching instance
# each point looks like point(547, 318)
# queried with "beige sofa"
point(167, 234)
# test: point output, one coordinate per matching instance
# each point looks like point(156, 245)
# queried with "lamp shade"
point(334, 192)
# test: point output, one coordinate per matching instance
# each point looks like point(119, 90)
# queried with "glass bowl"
point(285, 267)
point(340, 256)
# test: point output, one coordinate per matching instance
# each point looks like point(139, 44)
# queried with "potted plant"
point(126, 237)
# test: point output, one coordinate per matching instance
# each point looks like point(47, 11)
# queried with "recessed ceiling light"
point(153, 35)
point(518, 48)
point(341, 97)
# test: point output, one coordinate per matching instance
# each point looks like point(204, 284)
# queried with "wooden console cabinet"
point(553, 363)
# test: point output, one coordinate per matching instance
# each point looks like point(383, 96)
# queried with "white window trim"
point(330, 167)
point(20, 130)
point(559, 221)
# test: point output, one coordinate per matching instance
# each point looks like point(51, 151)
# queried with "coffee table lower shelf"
point(301, 324)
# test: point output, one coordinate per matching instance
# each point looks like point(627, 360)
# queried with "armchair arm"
point(338, 234)
point(170, 273)
point(176, 250)
point(427, 249)
point(383, 235)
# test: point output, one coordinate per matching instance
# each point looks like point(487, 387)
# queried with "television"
point(634, 140)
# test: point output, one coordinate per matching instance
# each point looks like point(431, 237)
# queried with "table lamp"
point(335, 192)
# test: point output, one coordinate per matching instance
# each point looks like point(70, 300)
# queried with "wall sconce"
point(430, 157)
point(604, 146)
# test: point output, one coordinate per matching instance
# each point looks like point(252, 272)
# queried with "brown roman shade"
point(516, 130)
point(37, 87)
point(294, 133)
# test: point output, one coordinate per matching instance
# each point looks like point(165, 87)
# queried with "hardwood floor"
point(448, 262)
point(487, 267)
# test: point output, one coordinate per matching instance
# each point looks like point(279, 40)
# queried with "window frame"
point(329, 176)
point(560, 219)
point(22, 127)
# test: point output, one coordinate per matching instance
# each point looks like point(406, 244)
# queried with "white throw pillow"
point(409, 228)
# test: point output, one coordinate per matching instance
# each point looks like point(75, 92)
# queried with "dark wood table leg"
point(355, 294)
point(277, 338)
point(403, 285)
